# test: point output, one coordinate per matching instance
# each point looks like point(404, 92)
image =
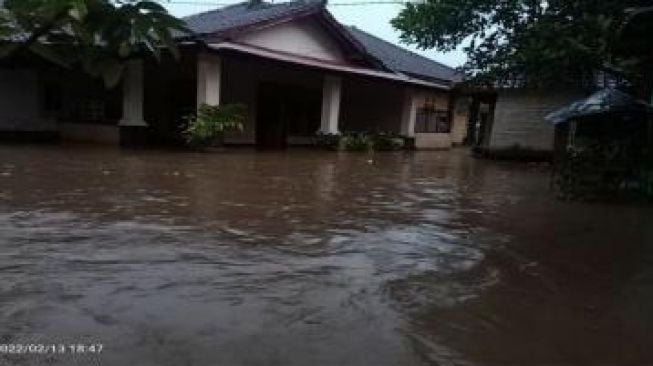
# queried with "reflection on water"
point(315, 258)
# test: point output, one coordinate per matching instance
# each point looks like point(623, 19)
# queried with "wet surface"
point(315, 258)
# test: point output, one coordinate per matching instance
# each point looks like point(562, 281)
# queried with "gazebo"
point(603, 145)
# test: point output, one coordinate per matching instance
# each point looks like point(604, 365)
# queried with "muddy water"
point(314, 258)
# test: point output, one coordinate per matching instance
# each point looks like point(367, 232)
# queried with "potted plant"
point(207, 128)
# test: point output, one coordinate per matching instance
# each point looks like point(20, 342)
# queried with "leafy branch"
point(98, 34)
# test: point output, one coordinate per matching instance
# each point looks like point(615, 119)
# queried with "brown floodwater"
point(314, 258)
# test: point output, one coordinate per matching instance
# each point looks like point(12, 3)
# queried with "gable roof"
point(246, 14)
point(402, 60)
point(387, 55)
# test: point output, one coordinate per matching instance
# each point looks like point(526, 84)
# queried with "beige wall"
point(433, 141)
point(301, 37)
point(519, 118)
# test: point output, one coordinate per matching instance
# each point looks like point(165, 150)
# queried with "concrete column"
point(209, 75)
point(133, 90)
point(331, 95)
point(409, 113)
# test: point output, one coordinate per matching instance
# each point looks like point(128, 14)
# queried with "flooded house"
point(298, 70)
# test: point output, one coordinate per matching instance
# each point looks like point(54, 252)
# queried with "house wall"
point(20, 105)
point(371, 105)
point(302, 37)
point(519, 119)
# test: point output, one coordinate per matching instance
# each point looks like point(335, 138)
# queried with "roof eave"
point(318, 64)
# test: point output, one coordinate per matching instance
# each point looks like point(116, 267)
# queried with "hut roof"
point(604, 101)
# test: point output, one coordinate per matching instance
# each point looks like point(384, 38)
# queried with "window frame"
point(431, 119)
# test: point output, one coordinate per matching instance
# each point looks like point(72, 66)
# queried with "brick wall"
point(519, 118)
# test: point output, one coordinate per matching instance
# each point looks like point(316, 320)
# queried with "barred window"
point(431, 120)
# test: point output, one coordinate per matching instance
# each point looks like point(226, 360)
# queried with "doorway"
point(286, 110)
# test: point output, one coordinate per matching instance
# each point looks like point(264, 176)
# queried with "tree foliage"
point(99, 35)
point(528, 41)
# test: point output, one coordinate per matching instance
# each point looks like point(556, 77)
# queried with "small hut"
point(603, 146)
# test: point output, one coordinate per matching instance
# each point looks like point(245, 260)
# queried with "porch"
point(289, 100)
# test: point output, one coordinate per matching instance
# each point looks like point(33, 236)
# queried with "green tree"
point(99, 35)
point(635, 49)
point(529, 41)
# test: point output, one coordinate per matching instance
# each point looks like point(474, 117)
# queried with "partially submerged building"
point(298, 71)
point(510, 123)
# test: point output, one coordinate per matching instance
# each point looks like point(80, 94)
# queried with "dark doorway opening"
point(481, 119)
point(286, 110)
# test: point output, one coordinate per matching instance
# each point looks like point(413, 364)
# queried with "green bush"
point(328, 141)
point(601, 170)
point(362, 141)
point(388, 142)
point(208, 126)
point(356, 142)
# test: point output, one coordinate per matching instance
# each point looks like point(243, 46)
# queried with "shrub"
point(328, 140)
point(207, 127)
point(362, 141)
point(356, 142)
point(388, 142)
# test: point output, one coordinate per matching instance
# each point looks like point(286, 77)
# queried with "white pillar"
point(132, 104)
point(409, 114)
point(209, 75)
point(331, 95)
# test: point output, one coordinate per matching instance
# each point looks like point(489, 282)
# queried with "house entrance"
point(286, 111)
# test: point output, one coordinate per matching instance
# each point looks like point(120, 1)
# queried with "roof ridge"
point(402, 48)
point(216, 10)
point(262, 5)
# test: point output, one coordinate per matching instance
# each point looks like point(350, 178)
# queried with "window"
point(431, 120)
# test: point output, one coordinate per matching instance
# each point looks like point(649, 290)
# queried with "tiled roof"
point(391, 56)
point(402, 60)
point(244, 14)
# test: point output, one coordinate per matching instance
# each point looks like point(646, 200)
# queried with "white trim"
point(258, 51)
